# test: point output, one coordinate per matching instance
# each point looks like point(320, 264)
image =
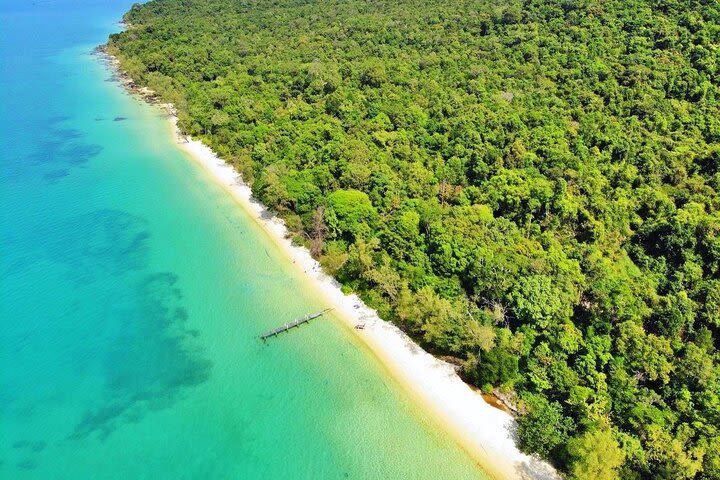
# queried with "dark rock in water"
point(26, 444)
point(26, 465)
point(119, 119)
point(166, 360)
point(38, 446)
point(21, 444)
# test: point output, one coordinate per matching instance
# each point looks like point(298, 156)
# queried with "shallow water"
point(133, 289)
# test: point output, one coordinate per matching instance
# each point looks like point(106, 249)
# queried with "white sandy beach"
point(484, 431)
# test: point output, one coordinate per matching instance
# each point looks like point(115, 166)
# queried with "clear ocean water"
point(133, 289)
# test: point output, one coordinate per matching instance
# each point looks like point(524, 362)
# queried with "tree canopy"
point(530, 187)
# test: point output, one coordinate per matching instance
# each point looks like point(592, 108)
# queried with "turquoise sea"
point(133, 290)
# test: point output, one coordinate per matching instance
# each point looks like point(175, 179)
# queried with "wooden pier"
point(293, 324)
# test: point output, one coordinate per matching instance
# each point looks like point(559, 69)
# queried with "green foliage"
point(544, 429)
point(350, 213)
point(529, 185)
point(496, 367)
point(595, 456)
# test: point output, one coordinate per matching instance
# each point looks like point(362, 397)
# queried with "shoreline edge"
point(483, 431)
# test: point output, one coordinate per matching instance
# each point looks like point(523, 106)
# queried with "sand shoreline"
point(484, 431)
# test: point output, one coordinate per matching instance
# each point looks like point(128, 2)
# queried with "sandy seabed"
point(484, 431)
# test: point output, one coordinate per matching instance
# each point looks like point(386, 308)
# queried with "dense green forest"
point(530, 188)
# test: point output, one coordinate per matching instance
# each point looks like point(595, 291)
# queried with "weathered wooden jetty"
point(293, 324)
